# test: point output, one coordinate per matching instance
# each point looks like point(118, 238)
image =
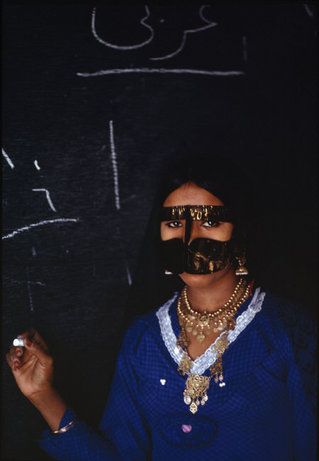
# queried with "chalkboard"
point(95, 100)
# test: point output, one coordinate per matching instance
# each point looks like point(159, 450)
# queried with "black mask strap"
point(188, 225)
point(196, 212)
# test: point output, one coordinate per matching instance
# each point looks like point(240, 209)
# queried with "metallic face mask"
point(202, 255)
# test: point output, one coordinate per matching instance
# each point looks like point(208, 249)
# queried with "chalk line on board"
point(244, 42)
point(124, 47)
point(29, 292)
point(150, 70)
point(22, 282)
point(201, 15)
point(128, 199)
point(47, 193)
point(128, 273)
point(37, 224)
point(30, 297)
point(208, 25)
point(308, 10)
point(36, 165)
point(8, 159)
point(115, 168)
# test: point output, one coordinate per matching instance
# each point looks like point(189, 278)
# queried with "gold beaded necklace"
point(196, 386)
point(200, 324)
point(221, 309)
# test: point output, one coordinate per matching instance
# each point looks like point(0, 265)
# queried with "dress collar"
point(168, 321)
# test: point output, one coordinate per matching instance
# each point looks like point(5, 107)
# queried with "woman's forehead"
point(191, 194)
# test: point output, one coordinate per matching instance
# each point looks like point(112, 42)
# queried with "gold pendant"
point(200, 337)
point(195, 392)
point(230, 324)
point(221, 344)
point(182, 340)
point(217, 372)
point(242, 270)
point(220, 326)
point(184, 365)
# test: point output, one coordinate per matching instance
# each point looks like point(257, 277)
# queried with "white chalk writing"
point(8, 159)
point(185, 33)
point(148, 70)
point(114, 165)
point(47, 193)
point(123, 47)
point(40, 223)
point(36, 165)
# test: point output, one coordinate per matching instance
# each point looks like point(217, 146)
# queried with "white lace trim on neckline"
point(204, 361)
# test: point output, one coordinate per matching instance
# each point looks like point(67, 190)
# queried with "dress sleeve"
point(302, 386)
point(122, 432)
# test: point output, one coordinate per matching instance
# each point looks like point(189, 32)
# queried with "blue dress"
point(264, 412)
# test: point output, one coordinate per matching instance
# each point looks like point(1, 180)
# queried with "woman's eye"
point(210, 223)
point(174, 224)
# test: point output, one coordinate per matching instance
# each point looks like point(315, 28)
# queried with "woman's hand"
point(32, 365)
point(32, 368)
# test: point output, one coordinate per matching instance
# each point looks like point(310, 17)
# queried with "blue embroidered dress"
point(264, 412)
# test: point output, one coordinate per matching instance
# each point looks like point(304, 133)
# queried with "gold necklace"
point(218, 311)
point(196, 386)
point(200, 324)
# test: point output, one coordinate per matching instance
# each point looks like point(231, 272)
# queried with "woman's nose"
point(194, 232)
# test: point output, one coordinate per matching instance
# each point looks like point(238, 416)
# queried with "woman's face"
point(191, 194)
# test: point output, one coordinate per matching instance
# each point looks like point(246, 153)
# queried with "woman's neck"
point(215, 295)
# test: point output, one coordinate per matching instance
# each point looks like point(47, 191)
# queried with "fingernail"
point(19, 352)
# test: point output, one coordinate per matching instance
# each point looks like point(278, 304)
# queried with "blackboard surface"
point(95, 99)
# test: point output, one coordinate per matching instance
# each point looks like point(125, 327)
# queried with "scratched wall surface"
point(94, 101)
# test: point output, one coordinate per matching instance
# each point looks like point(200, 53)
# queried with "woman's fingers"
point(17, 356)
point(37, 349)
point(19, 351)
point(14, 361)
point(14, 353)
point(9, 358)
point(34, 345)
point(35, 336)
point(31, 364)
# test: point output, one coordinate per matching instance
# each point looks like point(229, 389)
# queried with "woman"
point(216, 371)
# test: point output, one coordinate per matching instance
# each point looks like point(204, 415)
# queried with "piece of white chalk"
point(18, 342)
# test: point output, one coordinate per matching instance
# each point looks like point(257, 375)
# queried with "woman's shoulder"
point(298, 327)
point(288, 316)
point(292, 329)
point(144, 330)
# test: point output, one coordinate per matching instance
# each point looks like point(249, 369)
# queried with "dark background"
point(71, 279)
